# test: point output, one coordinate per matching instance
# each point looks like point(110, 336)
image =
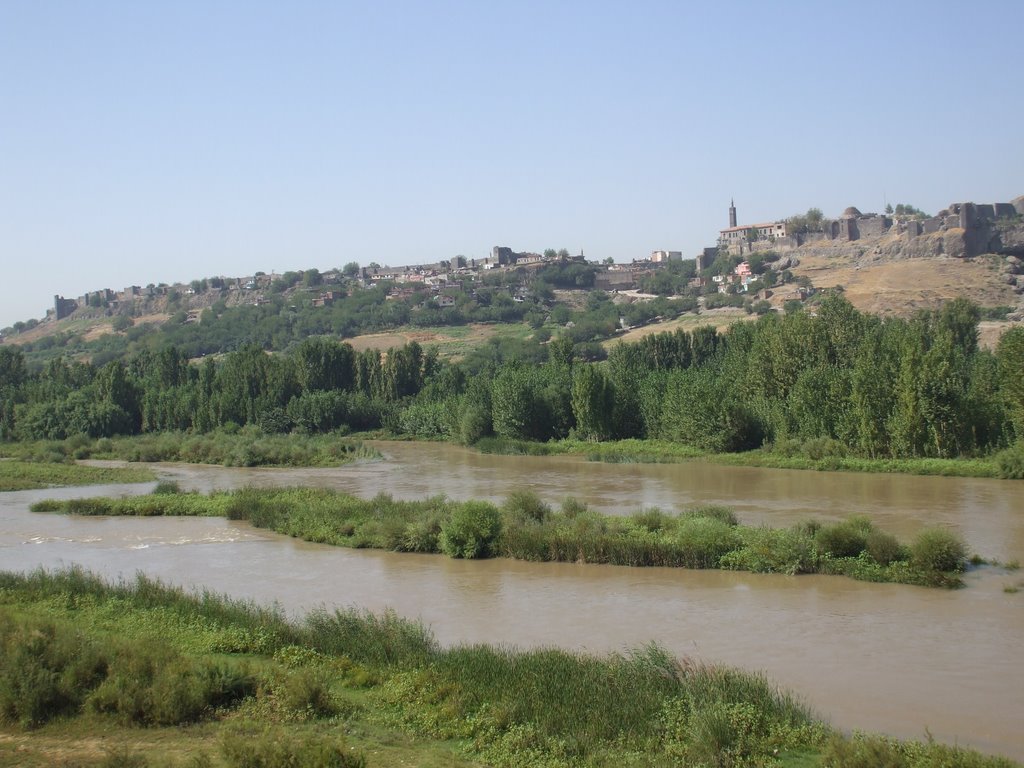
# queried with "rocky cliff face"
point(1009, 239)
point(897, 274)
point(1002, 238)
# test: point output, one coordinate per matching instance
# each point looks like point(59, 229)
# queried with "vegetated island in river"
point(526, 528)
point(44, 463)
point(18, 475)
point(181, 679)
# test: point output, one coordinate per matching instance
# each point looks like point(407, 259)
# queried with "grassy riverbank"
point(242, 448)
point(18, 475)
point(251, 448)
point(814, 455)
point(140, 674)
point(525, 528)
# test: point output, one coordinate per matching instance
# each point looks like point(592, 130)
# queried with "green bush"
point(573, 507)
point(845, 539)
point(474, 424)
point(427, 419)
point(307, 691)
point(702, 541)
point(127, 690)
point(46, 670)
point(176, 695)
point(938, 549)
point(716, 512)
point(167, 487)
point(712, 735)
point(226, 684)
point(277, 748)
point(525, 506)
point(788, 447)
point(1011, 462)
point(47, 505)
point(818, 448)
point(149, 684)
point(471, 531)
point(423, 535)
point(653, 519)
point(884, 548)
point(89, 506)
point(863, 752)
point(772, 550)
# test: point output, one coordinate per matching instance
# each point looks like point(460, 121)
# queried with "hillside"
point(890, 274)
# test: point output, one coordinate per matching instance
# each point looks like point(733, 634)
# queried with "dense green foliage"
point(525, 528)
point(840, 385)
point(280, 321)
point(48, 669)
point(286, 314)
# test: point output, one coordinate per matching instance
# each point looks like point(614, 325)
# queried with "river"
point(878, 657)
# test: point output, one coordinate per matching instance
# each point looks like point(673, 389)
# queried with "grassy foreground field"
point(141, 674)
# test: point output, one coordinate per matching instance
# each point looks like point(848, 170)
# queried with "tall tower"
point(732, 213)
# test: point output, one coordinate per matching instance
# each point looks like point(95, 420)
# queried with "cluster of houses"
point(442, 278)
point(442, 282)
point(460, 268)
point(447, 278)
point(112, 301)
point(741, 277)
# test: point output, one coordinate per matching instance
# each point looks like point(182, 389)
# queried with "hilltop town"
point(894, 263)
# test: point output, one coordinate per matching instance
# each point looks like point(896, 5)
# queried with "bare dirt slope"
point(904, 286)
point(452, 342)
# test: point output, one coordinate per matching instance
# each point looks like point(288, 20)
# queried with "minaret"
point(732, 214)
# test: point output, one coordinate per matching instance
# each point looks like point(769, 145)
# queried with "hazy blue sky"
point(165, 141)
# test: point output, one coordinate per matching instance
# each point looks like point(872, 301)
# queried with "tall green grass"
point(49, 669)
point(572, 705)
point(546, 707)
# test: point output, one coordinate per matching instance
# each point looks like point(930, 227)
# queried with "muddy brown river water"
point(887, 658)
